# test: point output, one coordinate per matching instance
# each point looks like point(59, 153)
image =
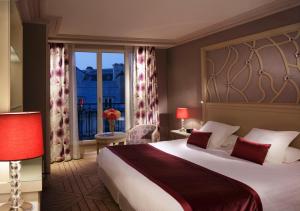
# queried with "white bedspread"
point(277, 185)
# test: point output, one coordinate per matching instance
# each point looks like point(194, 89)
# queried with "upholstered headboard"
point(248, 116)
point(254, 81)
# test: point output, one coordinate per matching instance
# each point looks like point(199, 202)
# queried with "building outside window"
point(113, 91)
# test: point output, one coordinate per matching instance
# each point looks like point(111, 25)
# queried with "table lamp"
point(182, 113)
point(21, 138)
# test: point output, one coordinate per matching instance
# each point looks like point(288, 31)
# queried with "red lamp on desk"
point(21, 138)
point(182, 113)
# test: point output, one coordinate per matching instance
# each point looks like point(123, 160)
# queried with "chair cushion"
point(138, 141)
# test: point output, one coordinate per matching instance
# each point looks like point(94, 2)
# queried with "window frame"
point(99, 50)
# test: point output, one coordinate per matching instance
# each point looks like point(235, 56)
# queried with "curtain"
point(145, 92)
point(59, 104)
point(73, 105)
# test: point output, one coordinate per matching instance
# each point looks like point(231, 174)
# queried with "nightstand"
point(177, 134)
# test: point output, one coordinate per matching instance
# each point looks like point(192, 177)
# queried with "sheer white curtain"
point(129, 70)
point(73, 106)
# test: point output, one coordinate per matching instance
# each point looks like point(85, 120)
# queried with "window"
point(109, 89)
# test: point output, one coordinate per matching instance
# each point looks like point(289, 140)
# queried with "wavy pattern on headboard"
point(261, 69)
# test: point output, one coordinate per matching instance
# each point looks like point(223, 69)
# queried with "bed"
point(269, 181)
point(277, 185)
point(240, 85)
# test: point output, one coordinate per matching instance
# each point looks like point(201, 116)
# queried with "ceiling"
point(162, 21)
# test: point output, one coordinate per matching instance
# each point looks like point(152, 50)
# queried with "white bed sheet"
point(277, 185)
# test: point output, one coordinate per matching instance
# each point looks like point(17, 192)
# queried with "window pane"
point(113, 78)
point(86, 76)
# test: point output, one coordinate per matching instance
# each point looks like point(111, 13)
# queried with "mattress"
point(277, 185)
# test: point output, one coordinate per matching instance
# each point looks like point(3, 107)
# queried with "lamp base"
point(182, 129)
point(15, 202)
point(26, 206)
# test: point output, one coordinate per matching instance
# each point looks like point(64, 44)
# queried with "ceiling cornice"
point(34, 11)
point(29, 10)
point(255, 14)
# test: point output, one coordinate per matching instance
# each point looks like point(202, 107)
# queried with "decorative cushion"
point(251, 151)
point(279, 141)
point(199, 139)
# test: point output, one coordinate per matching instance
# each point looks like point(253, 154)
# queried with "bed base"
point(124, 205)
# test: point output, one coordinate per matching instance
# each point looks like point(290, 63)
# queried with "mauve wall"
point(161, 65)
point(183, 63)
point(36, 78)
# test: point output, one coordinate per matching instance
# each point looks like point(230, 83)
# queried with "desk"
point(105, 139)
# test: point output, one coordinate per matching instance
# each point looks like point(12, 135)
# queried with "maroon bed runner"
point(193, 186)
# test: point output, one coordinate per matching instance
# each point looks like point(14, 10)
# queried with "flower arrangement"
point(111, 115)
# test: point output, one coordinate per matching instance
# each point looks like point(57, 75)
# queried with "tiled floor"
point(76, 186)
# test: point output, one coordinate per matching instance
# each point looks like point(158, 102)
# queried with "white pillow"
point(291, 155)
point(220, 132)
point(279, 141)
point(230, 141)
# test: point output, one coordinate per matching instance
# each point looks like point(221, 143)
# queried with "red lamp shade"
point(20, 136)
point(182, 113)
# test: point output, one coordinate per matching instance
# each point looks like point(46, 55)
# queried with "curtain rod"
point(112, 42)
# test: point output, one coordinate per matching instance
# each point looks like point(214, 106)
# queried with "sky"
point(85, 59)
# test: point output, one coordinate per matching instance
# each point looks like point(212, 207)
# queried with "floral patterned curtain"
point(145, 94)
point(59, 104)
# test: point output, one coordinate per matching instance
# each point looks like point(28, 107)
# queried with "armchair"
point(142, 134)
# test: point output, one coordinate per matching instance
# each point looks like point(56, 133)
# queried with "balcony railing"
point(87, 119)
